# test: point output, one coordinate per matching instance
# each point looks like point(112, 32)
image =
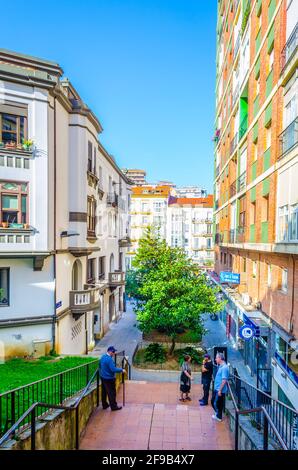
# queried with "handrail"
point(266, 421)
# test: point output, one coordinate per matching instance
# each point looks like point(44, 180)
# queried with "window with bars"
point(14, 202)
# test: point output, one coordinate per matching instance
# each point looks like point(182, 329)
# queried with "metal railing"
point(234, 144)
point(54, 389)
point(290, 48)
point(233, 189)
point(241, 182)
point(112, 199)
point(29, 417)
point(272, 417)
point(288, 138)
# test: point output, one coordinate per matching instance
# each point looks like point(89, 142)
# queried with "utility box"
point(39, 347)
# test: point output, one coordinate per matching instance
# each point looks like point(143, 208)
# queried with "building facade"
point(64, 215)
point(256, 138)
point(189, 226)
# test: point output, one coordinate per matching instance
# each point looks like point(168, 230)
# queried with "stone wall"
point(56, 430)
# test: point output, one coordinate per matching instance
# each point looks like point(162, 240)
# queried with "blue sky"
point(145, 67)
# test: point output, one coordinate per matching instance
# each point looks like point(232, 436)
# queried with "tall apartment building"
point(189, 226)
point(64, 203)
point(256, 198)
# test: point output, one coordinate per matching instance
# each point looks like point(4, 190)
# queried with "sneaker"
point(105, 407)
point(116, 409)
point(216, 418)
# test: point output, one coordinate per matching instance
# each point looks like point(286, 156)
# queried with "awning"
point(258, 321)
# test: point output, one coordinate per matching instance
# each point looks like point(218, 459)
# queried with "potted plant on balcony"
point(26, 226)
point(27, 144)
point(216, 135)
point(4, 224)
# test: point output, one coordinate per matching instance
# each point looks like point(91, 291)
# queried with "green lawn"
point(53, 390)
point(17, 372)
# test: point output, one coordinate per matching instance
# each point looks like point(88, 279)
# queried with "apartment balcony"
point(124, 242)
point(81, 301)
point(116, 279)
point(243, 127)
point(289, 53)
point(234, 144)
point(241, 182)
point(112, 199)
point(288, 139)
point(218, 238)
point(233, 189)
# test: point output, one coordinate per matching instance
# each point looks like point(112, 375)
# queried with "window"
point(268, 137)
point(284, 280)
point(145, 220)
point(94, 161)
point(4, 287)
point(221, 257)
point(270, 60)
point(230, 261)
point(225, 258)
point(283, 223)
point(145, 207)
point(253, 213)
point(100, 180)
point(244, 264)
point(265, 209)
point(90, 166)
point(209, 243)
point(242, 212)
point(254, 269)
point(257, 86)
point(269, 275)
point(91, 215)
point(13, 128)
point(91, 270)
point(14, 202)
point(294, 222)
point(255, 151)
point(157, 206)
point(101, 267)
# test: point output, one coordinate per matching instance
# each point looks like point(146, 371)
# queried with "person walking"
point(108, 380)
point(185, 379)
point(207, 374)
point(220, 386)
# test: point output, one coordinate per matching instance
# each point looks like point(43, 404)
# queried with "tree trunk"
point(172, 347)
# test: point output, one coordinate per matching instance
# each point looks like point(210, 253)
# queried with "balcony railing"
point(241, 182)
point(233, 189)
point(124, 242)
point(237, 45)
point(288, 138)
point(116, 279)
point(84, 300)
point(112, 199)
point(243, 127)
point(290, 48)
point(234, 144)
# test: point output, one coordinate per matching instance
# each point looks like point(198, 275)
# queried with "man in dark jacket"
point(207, 372)
point(108, 380)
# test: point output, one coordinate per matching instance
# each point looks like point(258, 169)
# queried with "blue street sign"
point(231, 278)
point(247, 332)
point(59, 304)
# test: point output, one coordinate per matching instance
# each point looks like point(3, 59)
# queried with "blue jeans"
point(217, 403)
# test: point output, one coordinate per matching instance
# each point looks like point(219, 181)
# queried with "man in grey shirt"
point(220, 386)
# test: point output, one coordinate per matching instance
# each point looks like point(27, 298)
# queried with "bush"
point(195, 355)
point(190, 336)
point(155, 353)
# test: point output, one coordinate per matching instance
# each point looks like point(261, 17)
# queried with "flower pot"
point(26, 226)
point(4, 224)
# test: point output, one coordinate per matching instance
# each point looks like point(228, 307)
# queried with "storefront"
point(256, 350)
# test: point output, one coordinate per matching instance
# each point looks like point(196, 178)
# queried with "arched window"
point(112, 263)
point(77, 275)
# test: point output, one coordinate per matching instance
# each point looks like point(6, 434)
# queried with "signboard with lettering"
point(229, 277)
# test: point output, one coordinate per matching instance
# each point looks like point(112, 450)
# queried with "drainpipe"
point(55, 267)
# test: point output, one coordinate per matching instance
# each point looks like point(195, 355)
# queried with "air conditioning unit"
point(246, 299)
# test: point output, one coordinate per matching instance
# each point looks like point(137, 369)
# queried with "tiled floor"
point(153, 418)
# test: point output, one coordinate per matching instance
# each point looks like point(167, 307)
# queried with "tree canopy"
point(170, 292)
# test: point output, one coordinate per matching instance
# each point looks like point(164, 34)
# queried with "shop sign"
point(247, 332)
point(228, 277)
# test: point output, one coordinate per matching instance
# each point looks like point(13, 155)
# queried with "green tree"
point(170, 292)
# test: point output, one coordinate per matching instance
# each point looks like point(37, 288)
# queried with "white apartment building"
point(189, 226)
point(64, 225)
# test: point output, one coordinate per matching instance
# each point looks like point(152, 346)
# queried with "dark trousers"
point(206, 388)
point(108, 388)
point(218, 403)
